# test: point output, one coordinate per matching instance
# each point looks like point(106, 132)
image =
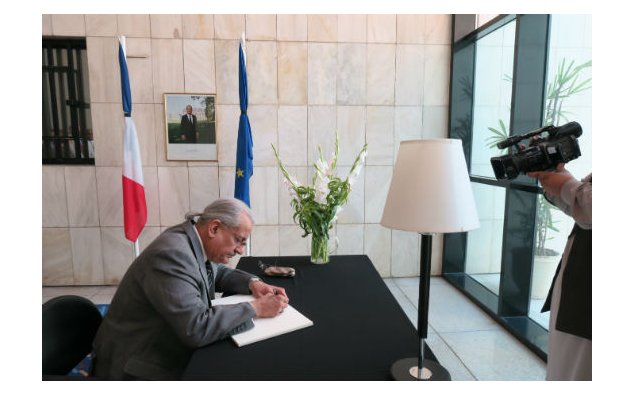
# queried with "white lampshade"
point(430, 190)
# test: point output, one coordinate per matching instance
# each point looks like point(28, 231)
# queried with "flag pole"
point(136, 248)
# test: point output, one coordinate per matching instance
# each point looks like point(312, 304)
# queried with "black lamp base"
point(407, 370)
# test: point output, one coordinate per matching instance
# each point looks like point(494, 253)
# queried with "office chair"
point(69, 325)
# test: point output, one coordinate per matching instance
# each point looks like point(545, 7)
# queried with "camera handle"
point(514, 140)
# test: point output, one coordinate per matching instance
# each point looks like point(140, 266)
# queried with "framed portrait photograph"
point(190, 127)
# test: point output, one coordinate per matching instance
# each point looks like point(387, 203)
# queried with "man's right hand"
point(269, 305)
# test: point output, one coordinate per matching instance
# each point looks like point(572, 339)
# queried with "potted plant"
point(565, 84)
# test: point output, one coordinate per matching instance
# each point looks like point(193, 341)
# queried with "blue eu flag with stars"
point(244, 151)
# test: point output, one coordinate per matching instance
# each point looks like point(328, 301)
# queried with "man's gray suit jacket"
point(162, 310)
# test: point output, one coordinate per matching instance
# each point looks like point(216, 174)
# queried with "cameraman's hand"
point(552, 181)
point(269, 305)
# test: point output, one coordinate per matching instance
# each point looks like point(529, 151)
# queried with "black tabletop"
point(359, 328)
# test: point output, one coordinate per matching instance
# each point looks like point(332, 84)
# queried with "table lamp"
point(430, 193)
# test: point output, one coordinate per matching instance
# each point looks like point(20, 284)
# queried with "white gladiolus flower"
point(321, 189)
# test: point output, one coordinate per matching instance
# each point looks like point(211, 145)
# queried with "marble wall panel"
point(69, 25)
point(229, 26)
point(292, 65)
point(408, 125)
point(377, 184)
point(226, 181)
point(200, 68)
point(435, 122)
point(438, 29)
point(198, 26)
point(203, 187)
point(57, 260)
point(263, 120)
point(103, 64)
point(381, 28)
point(118, 254)
point(173, 194)
point(381, 74)
point(322, 129)
point(351, 127)
point(262, 72)
point(405, 256)
point(291, 241)
point(351, 238)
point(143, 117)
point(136, 25)
point(87, 258)
point(227, 123)
point(108, 126)
point(167, 67)
point(351, 28)
point(139, 60)
point(265, 241)
point(351, 74)
point(261, 27)
point(151, 187)
point(410, 29)
point(380, 135)
point(110, 193)
point(225, 56)
point(378, 247)
point(167, 26)
point(264, 195)
point(47, 25)
point(322, 28)
point(292, 27)
point(54, 206)
point(322, 73)
point(101, 25)
point(81, 196)
point(437, 75)
point(410, 77)
point(292, 128)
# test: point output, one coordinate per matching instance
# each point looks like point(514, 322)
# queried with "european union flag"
point(244, 151)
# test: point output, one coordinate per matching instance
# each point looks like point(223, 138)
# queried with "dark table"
point(359, 328)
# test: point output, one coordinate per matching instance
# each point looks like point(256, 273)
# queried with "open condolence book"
point(287, 321)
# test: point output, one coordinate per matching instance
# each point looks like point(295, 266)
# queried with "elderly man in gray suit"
point(162, 309)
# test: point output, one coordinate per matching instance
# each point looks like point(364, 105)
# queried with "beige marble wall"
point(376, 79)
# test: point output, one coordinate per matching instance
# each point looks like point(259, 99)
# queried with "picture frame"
point(190, 127)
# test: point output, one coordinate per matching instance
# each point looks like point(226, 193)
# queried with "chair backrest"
point(69, 325)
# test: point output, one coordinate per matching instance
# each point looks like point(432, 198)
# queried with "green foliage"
point(316, 206)
point(498, 135)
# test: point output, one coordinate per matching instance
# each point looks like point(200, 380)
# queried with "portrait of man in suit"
point(189, 127)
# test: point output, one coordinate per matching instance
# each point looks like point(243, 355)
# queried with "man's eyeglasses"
point(238, 240)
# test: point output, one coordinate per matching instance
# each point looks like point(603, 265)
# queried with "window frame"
point(510, 307)
point(64, 105)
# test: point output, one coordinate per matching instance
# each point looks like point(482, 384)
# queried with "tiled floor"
point(466, 341)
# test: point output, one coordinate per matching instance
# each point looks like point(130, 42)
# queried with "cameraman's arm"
point(572, 196)
point(577, 196)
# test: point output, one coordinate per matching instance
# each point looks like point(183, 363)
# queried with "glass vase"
point(319, 249)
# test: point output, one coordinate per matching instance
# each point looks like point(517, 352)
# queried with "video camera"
point(542, 153)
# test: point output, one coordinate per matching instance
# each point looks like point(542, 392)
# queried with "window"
point(504, 82)
point(66, 127)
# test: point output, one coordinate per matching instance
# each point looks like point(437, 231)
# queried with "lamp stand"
point(421, 369)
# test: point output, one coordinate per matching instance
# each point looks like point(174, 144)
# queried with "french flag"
point(134, 208)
